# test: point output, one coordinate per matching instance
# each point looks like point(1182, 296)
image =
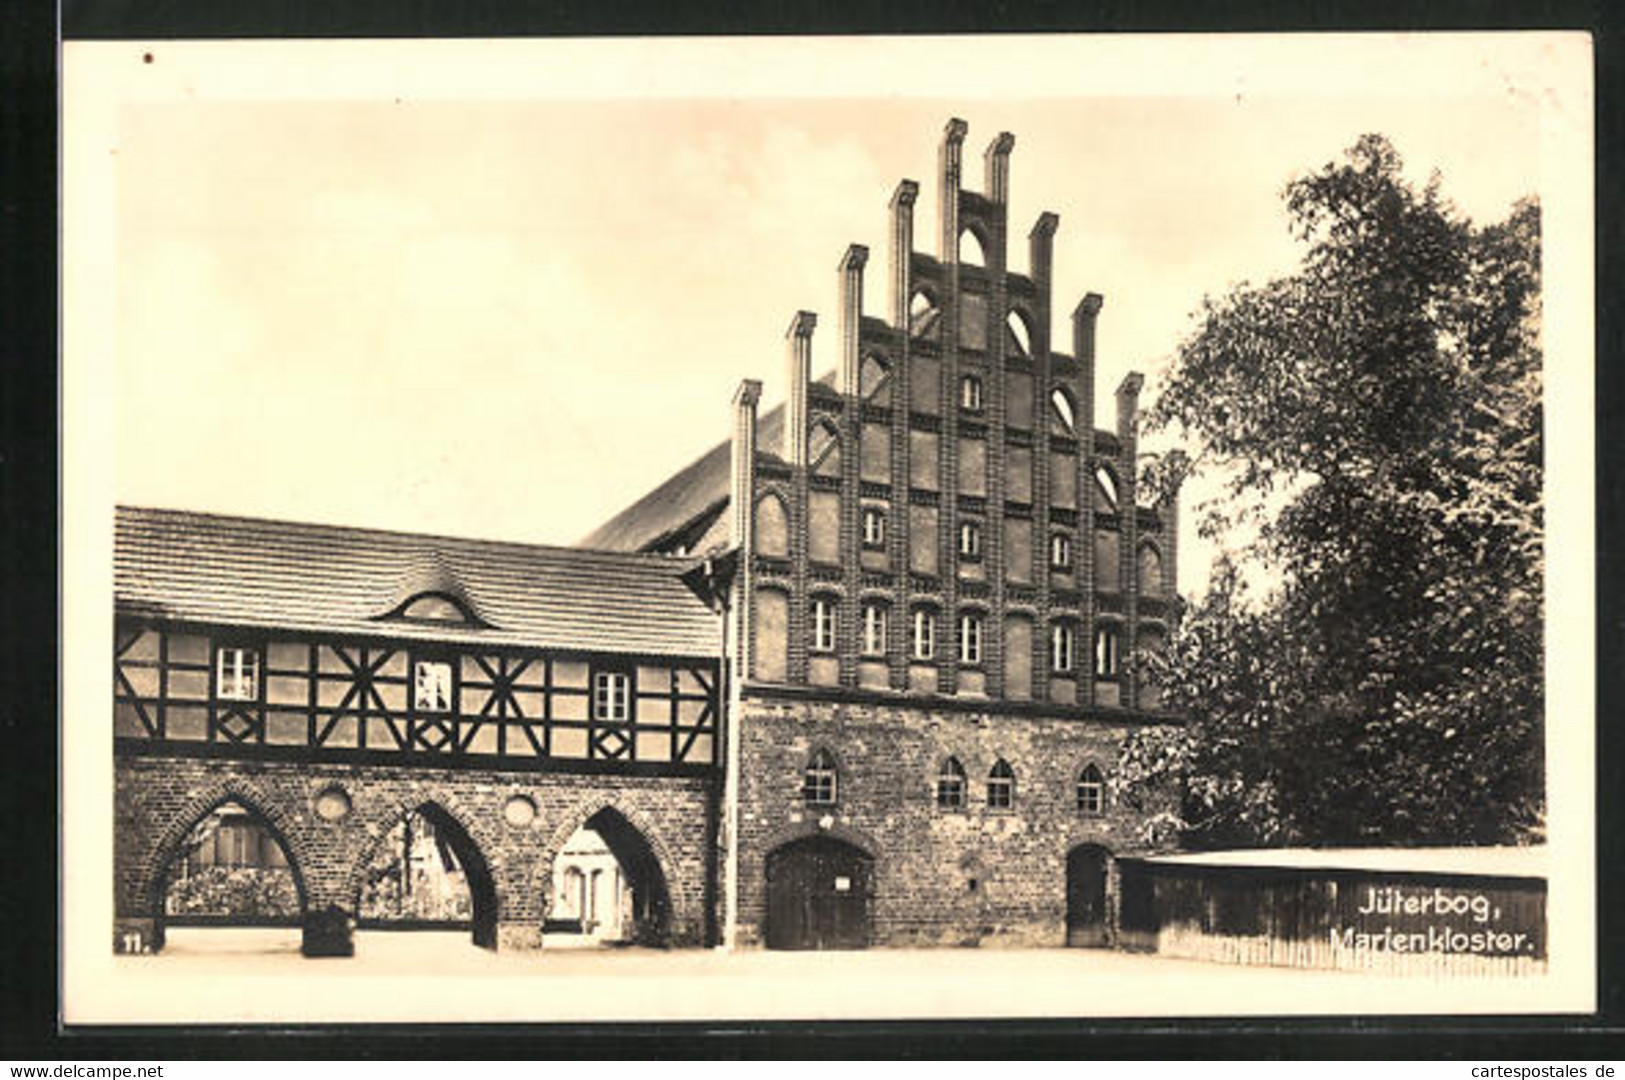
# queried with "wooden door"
point(1086, 896)
point(818, 895)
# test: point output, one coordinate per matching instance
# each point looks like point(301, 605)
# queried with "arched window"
point(824, 448)
point(1106, 485)
point(951, 785)
point(772, 527)
point(924, 317)
point(437, 607)
point(971, 252)
point(818, 783)
point(1018, 340)
point(1106, 652)
point(1091, 790)
point(1001, 786)
point(1063, 415)
point(1150, 571)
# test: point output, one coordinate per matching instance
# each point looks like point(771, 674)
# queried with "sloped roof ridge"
point(126, 514)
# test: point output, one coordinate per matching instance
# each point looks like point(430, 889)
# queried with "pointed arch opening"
point(1063, 413)
point(1091, 790)
point(1018, 335)
point(772, 527)
point(232, 883)
point(1106, 492)
point(924, 317)
point(972, 249)
point(428, 874)
point(607, 888)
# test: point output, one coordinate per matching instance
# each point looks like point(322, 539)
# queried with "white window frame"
point(1060, 551)
point(970, 393)
point(874, 630)
point(1062, 648)
point(238, 680)
point(874, 527)
point(612, 697)
point(1106, 646)
point(823, 612)
point(422, 689)
point(1005, 782)
point(925, 634)
point(1091, 793)
point(970, 540)
point(970, 637)
point(821, 775)
point(952, 786)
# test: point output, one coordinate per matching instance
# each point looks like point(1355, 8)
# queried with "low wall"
point(1347, 918)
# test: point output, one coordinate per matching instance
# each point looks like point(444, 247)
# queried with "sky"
point(508, 315)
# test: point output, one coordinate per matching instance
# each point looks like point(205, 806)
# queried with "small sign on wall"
point(843, 884)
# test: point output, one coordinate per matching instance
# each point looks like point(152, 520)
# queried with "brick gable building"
point(859, 675)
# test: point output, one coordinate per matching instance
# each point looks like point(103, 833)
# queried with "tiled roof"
point(701, 486)
point(250, 572)
point(685, 496)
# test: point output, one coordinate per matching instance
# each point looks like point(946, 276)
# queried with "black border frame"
point(30, 629)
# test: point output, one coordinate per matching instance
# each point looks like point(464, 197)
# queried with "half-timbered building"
point(330, 683)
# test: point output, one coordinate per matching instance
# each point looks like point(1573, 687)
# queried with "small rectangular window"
point(874, 527)
point(970, 639)
point(970, 541)
point(237, 674)
point(823, 625)
point(1105, 652)
point(1060, 552)
point(970, 393)
point(925, 635)
point(432, 686)
point(874, 630)
point(1061, 649)
point(611, 696)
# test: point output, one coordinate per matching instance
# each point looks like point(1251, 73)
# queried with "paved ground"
point(259, 975)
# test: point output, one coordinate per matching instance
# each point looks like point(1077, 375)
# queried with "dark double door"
point(818, 895)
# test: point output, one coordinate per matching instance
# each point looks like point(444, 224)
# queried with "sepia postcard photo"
point(823, 528)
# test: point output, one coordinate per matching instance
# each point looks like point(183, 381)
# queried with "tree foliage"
point(1375, 419)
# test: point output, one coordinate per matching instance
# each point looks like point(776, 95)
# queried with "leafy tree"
point(1375, 421)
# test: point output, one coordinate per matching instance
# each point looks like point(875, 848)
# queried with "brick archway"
point(483, 849)
point(156, 867)
point(647, 835)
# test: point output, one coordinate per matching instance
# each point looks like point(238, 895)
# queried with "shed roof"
point(209, 568)
point(1490, 861)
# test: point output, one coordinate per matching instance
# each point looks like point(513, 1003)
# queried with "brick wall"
point(926, 858)
point(158, 801)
